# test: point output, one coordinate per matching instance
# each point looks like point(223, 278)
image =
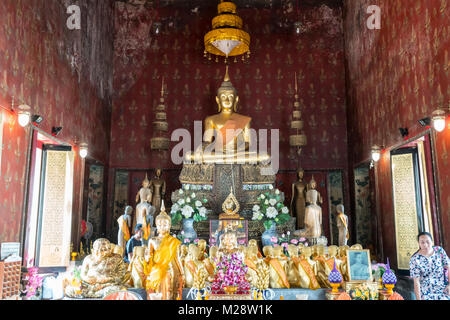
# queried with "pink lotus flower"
point(285, 245)
point(186, 240)
point(196, 241)
point(274, 239)
point(302, 239)
point(294, 241)
point(242, 241)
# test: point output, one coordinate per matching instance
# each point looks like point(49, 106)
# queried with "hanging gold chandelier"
point(227, 37)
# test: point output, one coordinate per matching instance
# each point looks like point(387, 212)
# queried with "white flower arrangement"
point(189, 207)
point(271, 209)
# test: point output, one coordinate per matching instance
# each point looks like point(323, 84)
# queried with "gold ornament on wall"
point(298, 138)
point(160, 125)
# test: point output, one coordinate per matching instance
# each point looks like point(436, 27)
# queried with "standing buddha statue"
point(138, 268)
point(124, 221)
point(313, 216)
point(298, 200)
point(144, 210)
point(166, 273)
point(158, 189)
point(342, 224)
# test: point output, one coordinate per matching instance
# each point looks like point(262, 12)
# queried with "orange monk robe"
point(160, 260)
point(305, 269)
point(281, 273)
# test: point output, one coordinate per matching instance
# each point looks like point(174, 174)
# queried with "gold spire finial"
point(227, 76)
point(163, 214)
point(295, 81)
point(162, 87)
point(146, 179)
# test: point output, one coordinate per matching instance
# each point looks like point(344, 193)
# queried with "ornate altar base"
point(287, 294)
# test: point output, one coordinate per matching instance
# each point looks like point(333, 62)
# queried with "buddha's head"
point(252, 251)
point(227, 98)
point(306, 252)
point(158, 172)
point(320, 250)
point(340, 208)
point(253, 243)
point(193, 251)
point(128, 210)
point(356, 246)
point(163, 221)
point(146, 182)
point(266, 251)
point(343, 251)
point(300, 173)
point(213, 251)
point(201, 245)
point(313, 183)
point(332, 250)
point(101, 248)
point(292, 250)
point(118, 250)
point(277, 251)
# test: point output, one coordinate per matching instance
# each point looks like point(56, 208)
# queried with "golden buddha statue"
point(227, 207)
point(158, 188)
point(266, 251)
point(342, 224)
point(191, 264)
point(210, 262)
point(251, 261)
point(166, 274)
point(306, 269)
point(356, 246)
point(292, 268)
point(342, 253)
point(227, 133)
point(102, 272)
point(298, 201)
point(138, 268)
point(278, 264)
point(324, 267)
point(202, 249)
point(254, 243)
point(118, 250)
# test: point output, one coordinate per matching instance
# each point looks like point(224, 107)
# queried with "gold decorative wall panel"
point(405, 210)
point(56, 217)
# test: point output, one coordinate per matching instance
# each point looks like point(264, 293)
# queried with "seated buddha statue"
point(138, 268)
point(306, 270)
point(165, 278)
point(102, 272)
point(202, 249)
point(251, 261)
point(191, 264)
point(277, 262)
point(342, 253)
point(292, 268)
point(210, 262)
point(227, 134)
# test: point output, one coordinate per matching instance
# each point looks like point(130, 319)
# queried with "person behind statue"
point(124, 222)
point(166, 275)
point(298, 200)
point(101, 272)
point(158, 190)
point(342, 224)
point(135, 241)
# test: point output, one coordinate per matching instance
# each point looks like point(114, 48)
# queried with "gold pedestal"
point(384, 295)
point(332, 295)
point(230, 297)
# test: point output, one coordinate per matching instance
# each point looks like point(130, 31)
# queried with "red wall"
point(36, 51)
point(265, 85)
point(396, 76)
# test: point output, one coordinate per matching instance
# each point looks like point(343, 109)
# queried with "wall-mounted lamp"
point(24, 115)
point(83, 150)
point(36, 119)
point(376, 151)
point(438, 118)
point(56, 131)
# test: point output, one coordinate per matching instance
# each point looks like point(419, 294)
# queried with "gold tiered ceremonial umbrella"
point(227, 37)
point(297, 139)
point(160, 126)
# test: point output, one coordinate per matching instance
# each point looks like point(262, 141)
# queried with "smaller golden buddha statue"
point(278, 264)
point(307, 270)
point(138, 268)
point(210, 262)
point(356, 246)
point(324, 267)
point(292, 268)
point(254, 243)
point(342, 253)
point(252, 260)
point(191, 264)
point(101, 273)
point(183, 252)
point(166, 274)
point(202, 249)
point(266, 251)
point(227, 207)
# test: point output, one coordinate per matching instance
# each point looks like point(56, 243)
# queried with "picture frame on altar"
point(218, 227)
point(359, 266)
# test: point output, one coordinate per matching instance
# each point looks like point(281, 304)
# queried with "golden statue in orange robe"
point(165, 279)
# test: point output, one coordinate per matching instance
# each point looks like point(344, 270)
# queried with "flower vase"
point(188, 228)
point(268, 234)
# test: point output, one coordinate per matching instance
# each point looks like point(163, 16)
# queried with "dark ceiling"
point(240, 3)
